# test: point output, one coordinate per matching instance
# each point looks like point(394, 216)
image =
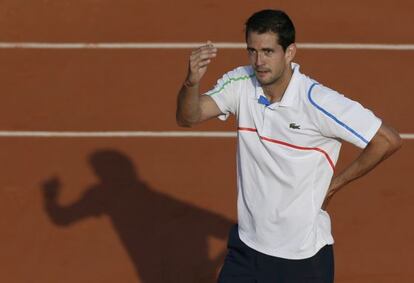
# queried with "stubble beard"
point(268, 82)
point(275, 78)
point(271, 81)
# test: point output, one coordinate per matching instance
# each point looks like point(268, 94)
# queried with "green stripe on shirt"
point(230, 81)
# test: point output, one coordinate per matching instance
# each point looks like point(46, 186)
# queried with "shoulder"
point(319, 99)
point(308, 89)
point(319, 95)
point(317, 92)
point(326, 103)
point(312, 92)
point(234, 80)
point(241, 73)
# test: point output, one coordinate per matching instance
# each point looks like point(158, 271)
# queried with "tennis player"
point(290, 129)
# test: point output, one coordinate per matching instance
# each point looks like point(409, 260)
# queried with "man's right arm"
point(193, 108)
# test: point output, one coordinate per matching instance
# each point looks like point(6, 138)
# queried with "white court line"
point(190, 45)
point(118, 134)
point(130, 134)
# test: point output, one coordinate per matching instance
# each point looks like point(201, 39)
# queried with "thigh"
point(238, 265)
point(317, 269)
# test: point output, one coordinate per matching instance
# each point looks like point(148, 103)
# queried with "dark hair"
point(275, 21)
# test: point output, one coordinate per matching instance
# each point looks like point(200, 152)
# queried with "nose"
point(259, 58)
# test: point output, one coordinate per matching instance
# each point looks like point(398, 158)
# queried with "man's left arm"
point(385, 142)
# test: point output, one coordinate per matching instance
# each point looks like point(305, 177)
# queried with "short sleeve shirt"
point(286, 157)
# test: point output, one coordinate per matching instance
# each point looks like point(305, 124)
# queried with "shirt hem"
point(283, 254)
point(372, 131)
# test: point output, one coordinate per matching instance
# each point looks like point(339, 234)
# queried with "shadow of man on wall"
point(166, 239)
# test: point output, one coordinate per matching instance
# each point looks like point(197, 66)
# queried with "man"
point(289, 133)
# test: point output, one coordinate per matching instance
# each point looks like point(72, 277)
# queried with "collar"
point(290, 96)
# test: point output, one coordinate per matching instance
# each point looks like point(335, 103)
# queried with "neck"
point(276, 90)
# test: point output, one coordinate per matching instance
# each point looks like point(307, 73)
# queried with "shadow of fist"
point(51, 188)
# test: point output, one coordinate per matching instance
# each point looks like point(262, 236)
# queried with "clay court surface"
point(155, 210)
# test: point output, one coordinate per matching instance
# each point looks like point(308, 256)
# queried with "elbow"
point(183, 122)
point(385, 143)
point(396, 142)
point(391, 138)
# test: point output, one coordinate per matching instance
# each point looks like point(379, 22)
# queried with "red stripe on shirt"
point(247, 129)
point(292, 145)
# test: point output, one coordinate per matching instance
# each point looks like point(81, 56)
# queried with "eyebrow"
point(262, 49)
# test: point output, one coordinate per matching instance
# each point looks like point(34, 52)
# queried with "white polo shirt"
point(286, 157)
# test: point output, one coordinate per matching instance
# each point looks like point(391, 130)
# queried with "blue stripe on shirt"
point(330, 115)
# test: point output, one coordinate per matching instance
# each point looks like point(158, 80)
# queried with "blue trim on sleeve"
point(332, 116)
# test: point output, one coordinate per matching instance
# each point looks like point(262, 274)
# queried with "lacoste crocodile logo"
point(294, 126)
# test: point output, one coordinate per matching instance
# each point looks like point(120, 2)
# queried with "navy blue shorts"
point(246, 265)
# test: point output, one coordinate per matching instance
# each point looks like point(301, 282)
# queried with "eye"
point(268, 52)
point(251, 51)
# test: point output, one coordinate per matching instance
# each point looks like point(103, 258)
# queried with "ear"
point(290, 52)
